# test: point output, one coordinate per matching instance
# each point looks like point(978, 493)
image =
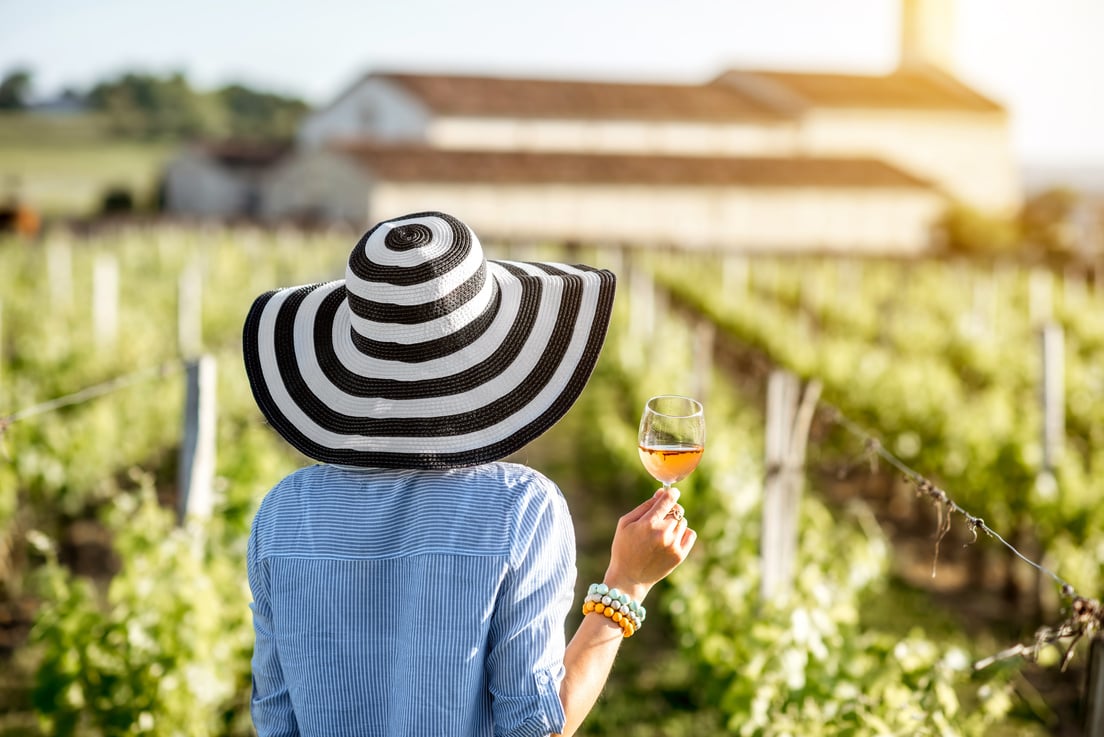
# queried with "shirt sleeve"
point(527, 642)
point(270, 705)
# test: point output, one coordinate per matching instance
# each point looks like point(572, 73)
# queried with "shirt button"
point(542, 679)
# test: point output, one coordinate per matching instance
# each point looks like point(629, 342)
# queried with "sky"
point(1043, 59)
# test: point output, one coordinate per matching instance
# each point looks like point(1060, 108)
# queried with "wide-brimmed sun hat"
point(426, 355)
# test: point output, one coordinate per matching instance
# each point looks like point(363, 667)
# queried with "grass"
point(62, 165)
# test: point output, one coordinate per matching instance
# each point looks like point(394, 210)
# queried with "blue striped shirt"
point(410, 603)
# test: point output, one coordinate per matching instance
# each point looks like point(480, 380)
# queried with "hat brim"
point(518, 372)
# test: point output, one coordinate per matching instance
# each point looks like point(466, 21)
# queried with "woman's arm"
point(646, 547)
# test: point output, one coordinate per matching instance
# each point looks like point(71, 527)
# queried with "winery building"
point(750, 160)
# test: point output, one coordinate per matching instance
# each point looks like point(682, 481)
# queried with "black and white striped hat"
point(426, 355)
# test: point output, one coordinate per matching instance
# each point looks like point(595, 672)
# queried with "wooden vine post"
point(789, 416)
point(642, 297)
point(3, 405)
point(1053, 395)
point(1094, 689)
point(196, 474)
point(189, 311)
point(704, 337)
point(105, 301)
point(59, 273)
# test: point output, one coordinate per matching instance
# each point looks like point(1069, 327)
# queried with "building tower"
point(927, 34)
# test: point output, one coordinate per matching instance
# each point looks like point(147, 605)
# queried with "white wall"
point(616, 136)
point(195, 185)
point(378, 109)
point(969, 155)
point(375, 108)
point(319, 185)
point(792, 219)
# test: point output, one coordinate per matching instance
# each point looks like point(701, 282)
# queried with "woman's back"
point(412, 601)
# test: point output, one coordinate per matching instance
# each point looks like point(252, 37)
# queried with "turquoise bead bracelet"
point(617, 605)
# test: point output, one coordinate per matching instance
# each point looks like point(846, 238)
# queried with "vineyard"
point(118, 618)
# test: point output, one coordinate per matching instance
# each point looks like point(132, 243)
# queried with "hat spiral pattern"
point(426, 355)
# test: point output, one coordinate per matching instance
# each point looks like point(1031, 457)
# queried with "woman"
point(412, 583)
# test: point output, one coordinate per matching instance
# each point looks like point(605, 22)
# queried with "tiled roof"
point(911, 89)
point(528, 98)
point(245, 154)
point(419, 164)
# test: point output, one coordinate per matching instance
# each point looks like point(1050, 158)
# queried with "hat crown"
point(405, 237)
point(416, 280)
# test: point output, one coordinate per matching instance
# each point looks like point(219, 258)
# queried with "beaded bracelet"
point(616, 605)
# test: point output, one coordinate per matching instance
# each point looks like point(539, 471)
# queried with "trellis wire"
point(92, 392)
point(1085, 617)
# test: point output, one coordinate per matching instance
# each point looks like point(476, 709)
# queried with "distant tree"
point(117, 200)
point(260, 115)
point(147, 106)
point(71, 96)
point(1042, 228)
point(966, 230)
point(15, 90)
point(1045, 220)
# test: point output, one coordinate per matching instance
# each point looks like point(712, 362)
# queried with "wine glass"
point(672, 437)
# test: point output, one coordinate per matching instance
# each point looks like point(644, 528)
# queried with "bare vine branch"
point(1084, 617)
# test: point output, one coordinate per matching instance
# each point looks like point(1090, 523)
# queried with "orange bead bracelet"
point(627, 614)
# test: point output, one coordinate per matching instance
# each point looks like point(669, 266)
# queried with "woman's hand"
point(650, 542)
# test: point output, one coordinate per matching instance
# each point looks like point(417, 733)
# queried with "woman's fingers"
point(665, 501)
point(686, 542)
point(650, 542)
